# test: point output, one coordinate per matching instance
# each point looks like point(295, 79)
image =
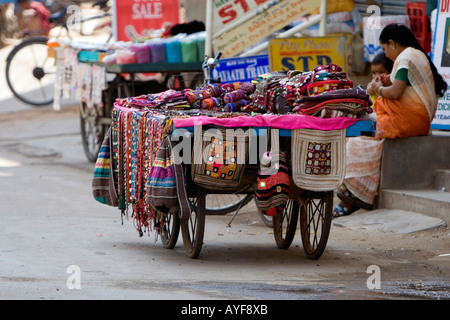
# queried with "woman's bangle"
point(379, 90)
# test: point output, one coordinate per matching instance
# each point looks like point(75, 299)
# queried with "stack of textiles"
point(267, 92)
point(164, 100)
point(225, 97)
point(324, 92)
point(352, 103)
point(327, 78)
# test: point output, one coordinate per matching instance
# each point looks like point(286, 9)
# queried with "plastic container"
point(189, 49)
point(201, 49)
point(142, 52)
point(125, 57)
point(157, 50)
point(420, 24)
point(173, 50)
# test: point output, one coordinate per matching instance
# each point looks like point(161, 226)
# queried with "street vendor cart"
point(209, 160)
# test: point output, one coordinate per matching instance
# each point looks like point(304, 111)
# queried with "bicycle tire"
point(170, 230)
point(193, 227)
point(92, 130)
point(285, 224)
point(240, 202)
point(28, 65)
point(315, 223)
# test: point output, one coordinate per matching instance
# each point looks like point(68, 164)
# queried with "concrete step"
point(411, 163)
point(441, 180)
point(429, 202)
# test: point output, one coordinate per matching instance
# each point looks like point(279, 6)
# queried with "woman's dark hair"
point(381, 59)
point(404, 36)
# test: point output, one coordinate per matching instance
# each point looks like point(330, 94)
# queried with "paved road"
point(52, 231)
point(56, 242)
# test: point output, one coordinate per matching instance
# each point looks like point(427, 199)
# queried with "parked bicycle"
point(30, 70)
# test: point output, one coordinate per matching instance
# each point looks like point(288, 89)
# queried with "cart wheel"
point(284, 225)
point(315, 222)
point(193, 228)
point(31, 73)
point(92, 130)
point(170, 230)
point(95, 121)
point(221, 204)
point(268, 220)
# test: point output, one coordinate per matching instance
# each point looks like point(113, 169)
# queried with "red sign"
point(138, 18)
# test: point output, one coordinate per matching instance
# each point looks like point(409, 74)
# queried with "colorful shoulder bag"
point(103, 186)
point(220, 157)
point(272, 191)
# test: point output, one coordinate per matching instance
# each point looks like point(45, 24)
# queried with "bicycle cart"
point(311, 208)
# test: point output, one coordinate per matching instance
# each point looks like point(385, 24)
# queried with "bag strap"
point(112, 185)
point(185, 209)
point(274, 139)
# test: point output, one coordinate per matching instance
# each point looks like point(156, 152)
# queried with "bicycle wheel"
point(285, 223)
point(221, 204)
point(92, 130)
point(31, 73)
point(170, 230)
point(315, 222)
point(96, 120)
point(193, 228)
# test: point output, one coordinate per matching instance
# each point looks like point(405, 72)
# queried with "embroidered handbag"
point(161, 188)
point(103, 186)
point(165, 187)
point(220, 157)
point(318, 163)
point(272, 190)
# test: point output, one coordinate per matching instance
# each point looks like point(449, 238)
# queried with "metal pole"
point(323, 18)
point(209, 28)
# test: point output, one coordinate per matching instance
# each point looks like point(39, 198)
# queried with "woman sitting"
point(406, 108)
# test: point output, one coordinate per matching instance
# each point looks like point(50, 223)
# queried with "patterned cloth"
point(103, 187)
point(363, 159)
point(319, 161)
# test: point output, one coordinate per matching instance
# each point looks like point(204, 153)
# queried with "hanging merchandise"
point(161, 186)
point(319, 161)
point(103, 186)
point(220, 156)
point(272, 186)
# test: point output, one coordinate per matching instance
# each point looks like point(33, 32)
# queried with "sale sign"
point(137, 18)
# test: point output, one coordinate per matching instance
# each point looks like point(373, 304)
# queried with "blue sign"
point(243, 69)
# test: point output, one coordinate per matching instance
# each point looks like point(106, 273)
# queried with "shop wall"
point(194, 9)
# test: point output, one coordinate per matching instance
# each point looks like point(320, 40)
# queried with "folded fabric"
point(210, 103)
point(356, 93)
point(236, 106)
point(290, 121)
point(234, 96)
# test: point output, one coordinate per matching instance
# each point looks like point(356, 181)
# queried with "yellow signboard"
point(262, 25)
point(306, 53)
